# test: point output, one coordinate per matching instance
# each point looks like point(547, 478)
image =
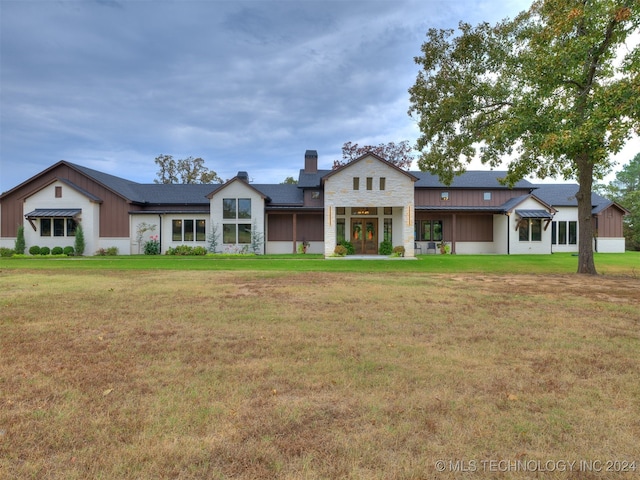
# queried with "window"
point(244, 208)
point(244, 233)
point(388, 210)
point(58, 192)
point(58, 227)
point(228, 233)
point(340, 230)
point(530, 230)
point(201, 230)
point(486, 196)
point(229, 208)
point(388, 230)
point(315, 194)
point(430, 231)
point(340, 211)
point(356, 183)
point(383, 183)
point(573, 233)
point(564, 233)
point(45, 227)
point(188, 230)
point(369, 183)
point(71, 227)
point(444, 196)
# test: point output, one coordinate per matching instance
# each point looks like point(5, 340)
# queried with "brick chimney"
point(311, 161)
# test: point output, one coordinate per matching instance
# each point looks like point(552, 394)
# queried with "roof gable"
point(231, 182)
point(363, 157)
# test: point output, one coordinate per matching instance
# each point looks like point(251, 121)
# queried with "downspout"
point(160, 232)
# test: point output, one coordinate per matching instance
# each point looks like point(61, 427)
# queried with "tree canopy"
point(186, 170)
point(554, 92)
point(400, 154)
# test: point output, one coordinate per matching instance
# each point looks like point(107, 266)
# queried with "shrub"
point(6, 252)
point(340, 250)
point(57, 251)
point(186, 250)
point(152, 246)
point(348, 245)
point(79, 245)
point(398, 251)
point(45, 250)
point(199, 251)
point(107, 252)
point(20, 244)
point(34, 250)
point(68, 250)
point(386, 248)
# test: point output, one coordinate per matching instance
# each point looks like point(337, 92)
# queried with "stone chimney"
point(311, 161)
point(244, 176)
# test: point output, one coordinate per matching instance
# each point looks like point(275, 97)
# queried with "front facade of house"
point(365, 202)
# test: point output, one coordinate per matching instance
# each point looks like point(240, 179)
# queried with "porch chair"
point(431, 247)
point(417, 247)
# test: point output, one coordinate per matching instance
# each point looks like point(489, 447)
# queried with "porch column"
point(295, 231)
point(453, 234)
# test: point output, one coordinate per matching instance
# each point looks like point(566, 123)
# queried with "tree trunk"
point(585, 219)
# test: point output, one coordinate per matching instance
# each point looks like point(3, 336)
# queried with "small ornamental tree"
point(20, 244)
point(79, 244)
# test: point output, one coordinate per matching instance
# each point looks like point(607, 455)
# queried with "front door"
point(364, 236)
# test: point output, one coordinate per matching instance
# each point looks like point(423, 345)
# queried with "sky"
point(245, 85)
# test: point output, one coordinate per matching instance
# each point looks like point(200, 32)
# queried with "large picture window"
point(188, 230)
point(563, 233)
point(58, 227)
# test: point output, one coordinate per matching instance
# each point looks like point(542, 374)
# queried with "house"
point(365, 202)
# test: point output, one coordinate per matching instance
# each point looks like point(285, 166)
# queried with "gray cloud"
point(247, 85)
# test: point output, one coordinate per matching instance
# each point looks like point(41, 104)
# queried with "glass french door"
point(364, 235)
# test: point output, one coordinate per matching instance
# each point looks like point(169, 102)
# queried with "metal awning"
point(533, 214)
point(54, 212)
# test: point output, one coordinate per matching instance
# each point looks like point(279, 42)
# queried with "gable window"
point(229, 208)
point(444, 196)
point(58, 192)
point(356, 183)
point(369, 183)
point(383, 183)
point(486, 196)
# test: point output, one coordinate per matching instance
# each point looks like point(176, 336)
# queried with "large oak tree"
point(185, 170)
point(554, 91)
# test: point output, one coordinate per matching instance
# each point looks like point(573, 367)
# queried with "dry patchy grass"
point(315, 375)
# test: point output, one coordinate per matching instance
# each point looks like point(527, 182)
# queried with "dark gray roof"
point(564, 195)
point(175, 194)
point(469, 179)
point(126, 188)
point(281, 194)
point(533, 213)
point(311, 180)
point(54, 212)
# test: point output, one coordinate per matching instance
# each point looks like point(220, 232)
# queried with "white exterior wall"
point(398, 193)
point(238, 189)
point(609, 245)
point(166, 240)
point(501, 234)
point(46, 198)
point(517, 247)
point(149, 219)
point(566, 214)
point(475, 248)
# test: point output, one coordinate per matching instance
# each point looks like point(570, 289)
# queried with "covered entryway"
point(364, 235)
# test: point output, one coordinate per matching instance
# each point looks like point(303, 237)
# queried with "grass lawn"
point(302, 368)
